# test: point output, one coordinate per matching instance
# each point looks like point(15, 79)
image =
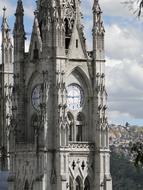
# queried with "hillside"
point(125, 176)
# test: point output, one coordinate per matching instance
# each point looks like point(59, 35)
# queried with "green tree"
point(125, 175)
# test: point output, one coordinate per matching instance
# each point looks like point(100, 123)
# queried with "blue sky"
point(124, 54)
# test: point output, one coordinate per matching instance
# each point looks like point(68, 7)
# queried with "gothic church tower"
point(59, 139)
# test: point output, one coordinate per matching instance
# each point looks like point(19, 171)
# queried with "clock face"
point(74, 97)
point(37, 97)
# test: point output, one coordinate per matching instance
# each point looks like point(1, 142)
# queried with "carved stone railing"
point(81, 147)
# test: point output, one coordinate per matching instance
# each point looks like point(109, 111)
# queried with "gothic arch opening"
point(33, 127)
point(26, 186)
point(78, 183)
point(86, 184)
point(34, 120)
point(79, 126)
point(82, 77)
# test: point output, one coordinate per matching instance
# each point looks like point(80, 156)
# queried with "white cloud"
point(123, 42)
point(124, 55)
point(115, 117)
point(10, 7)
point(115, 8)
point(125, 87)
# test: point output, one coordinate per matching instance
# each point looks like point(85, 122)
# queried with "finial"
point(19, 9)
point(4, 9)
point(4, 19)
point(96, 8)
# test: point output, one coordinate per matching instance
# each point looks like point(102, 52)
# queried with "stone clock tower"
point(59, 136)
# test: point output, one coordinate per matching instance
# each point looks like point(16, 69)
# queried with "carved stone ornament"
point(69, 11)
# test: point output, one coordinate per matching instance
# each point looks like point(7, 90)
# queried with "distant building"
point(3, 180)
point(54, 130)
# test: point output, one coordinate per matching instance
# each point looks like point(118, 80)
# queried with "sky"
point(124, 54)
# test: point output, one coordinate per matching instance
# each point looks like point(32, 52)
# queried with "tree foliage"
point(124, 174)
point(135, 5)
point(137, 152)
point(140, 8)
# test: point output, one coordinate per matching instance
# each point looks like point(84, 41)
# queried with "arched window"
point(35, 121)
point(78, 183)
point(35, 52)
point(26, 187)
point(79, 127)
point(86, 184)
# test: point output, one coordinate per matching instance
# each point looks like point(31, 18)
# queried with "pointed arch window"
point(68, 33)
point(35, 121)
point(26, 187)
point(34, 126)
point(35, 52)
point(78, 184)
point(79, 127)
point(86, 184)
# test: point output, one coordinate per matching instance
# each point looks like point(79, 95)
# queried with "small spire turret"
point(4, 19)
point(19, 26)
point(19, 32)
point(19, 53)
point(5, 28)
point(97, 18)
point(6, 41)
point(98, 32)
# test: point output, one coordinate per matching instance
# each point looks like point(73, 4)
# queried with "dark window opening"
point(70, 133)
point(35, 52)
point(76, 43)
point(86, 184)
point(68, 32)
point(78, 185)
point(79, 133)
point(67, 43)
point(40, 27)
point(26, 187)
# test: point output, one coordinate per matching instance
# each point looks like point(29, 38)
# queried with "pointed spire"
point(96, 7)
point(5, 29)
point(19, 26)
point(19, 9)
point(19, 32)
point(4, 13)
point(97, 18)
point(6, 39)
point(4, 20)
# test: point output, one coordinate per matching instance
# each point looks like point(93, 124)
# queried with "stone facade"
point(59, 136)
point(6, 86)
